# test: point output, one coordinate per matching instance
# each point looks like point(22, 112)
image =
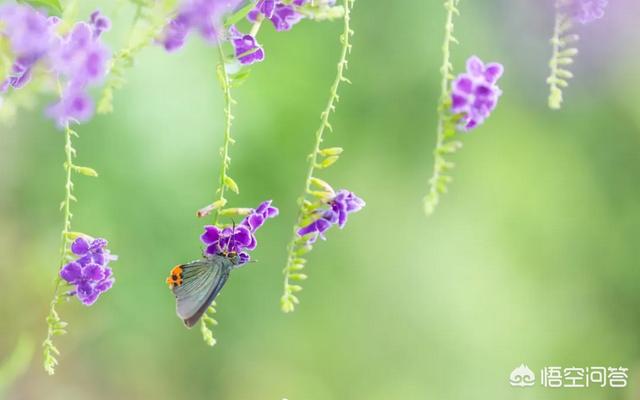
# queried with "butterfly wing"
point(199, 284)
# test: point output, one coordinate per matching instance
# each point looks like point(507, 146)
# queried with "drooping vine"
point(320, 206)
point(564, 42)
point(217, 23)
point(74, 57)
point(465, 102)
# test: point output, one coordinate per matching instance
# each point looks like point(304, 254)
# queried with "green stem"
point(432, 198)
point(287, 305)
point(227, 141)
point(53, 320)
point(555, 93)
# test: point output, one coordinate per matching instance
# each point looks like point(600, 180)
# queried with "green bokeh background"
point(531, 258)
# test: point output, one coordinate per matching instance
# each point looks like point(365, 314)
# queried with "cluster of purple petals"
point(586, 11)
point(78, 59)
point(238, 239)
point(89, 272)
point(202, 16)
point(474, 94)
point(336, 213)
point(31, 35)
point(81, 59)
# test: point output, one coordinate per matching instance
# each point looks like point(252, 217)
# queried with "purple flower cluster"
point(238, 239)
point(78, 59)
point(206, 17)
point(31, 35)
point(203, 16)
point(339, 207)
point(90, 272)
point(586, 11)
point(81, 58)
point(474, 93)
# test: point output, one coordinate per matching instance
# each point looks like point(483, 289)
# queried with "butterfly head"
point(232, 256)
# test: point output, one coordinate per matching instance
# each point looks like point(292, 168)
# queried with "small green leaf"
point(321, 184)
point(332, 151)
point(231, 184)
point(86, 171)
point(327, 162)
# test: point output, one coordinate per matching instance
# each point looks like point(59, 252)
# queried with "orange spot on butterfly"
point(175, 277)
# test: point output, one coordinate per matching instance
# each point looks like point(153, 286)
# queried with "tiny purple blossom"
point(100, 23)
point(74, 106)
point(257, 217)
point(474, 93)
point(586, 11)
point(336, 212)
point(202, 16)
point(282, 15)
point(247, 49)
point(89, 272)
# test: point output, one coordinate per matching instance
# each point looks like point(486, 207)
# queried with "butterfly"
point(196, 284)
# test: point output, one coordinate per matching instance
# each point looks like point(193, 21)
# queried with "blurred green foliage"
point(530, 257)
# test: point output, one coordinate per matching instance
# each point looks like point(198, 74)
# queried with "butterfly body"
point(196, 284)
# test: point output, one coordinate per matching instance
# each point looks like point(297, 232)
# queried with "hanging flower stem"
point(55, 326)
point(318, 159)
point(446, 124)
point(562, 55)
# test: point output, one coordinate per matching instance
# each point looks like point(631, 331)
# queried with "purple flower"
point(238, 239)
point(475, 93)
point(257, 217)
point(247, 49)
point(74, 106)
point(89, 273)
point(80, 57)
point(283, 16)
point(29, 31)
point(585, 11)
point(99, 23)
point(338, 208)
point(31, 36)
point(203, 16)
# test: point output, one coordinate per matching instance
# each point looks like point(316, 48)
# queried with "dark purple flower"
point(475, 94)
point(585, 11)
point(285, 17)
point(203, 16)
point(99, 23)
point(338, 208)
point(282, 15)
point(317, 228)
point(238, 239)
point(247, 49)
point(257, 217)
point(89, 273)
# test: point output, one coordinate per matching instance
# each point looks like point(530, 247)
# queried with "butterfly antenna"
point(233, 232)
